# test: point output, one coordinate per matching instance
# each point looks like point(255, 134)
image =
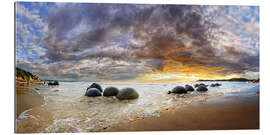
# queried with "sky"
point(137, 42)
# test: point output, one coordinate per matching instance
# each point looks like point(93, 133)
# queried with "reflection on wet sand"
point(27, 98)
point(227, 113)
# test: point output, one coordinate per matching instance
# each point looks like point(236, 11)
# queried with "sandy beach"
point(64, 108)
point(114, 67)
point(27, 98)
point(226, 113)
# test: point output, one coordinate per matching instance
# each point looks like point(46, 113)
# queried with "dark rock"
point(53, 83)
point(127, 93)
point(95, 85)
point(92, 92)
point(201, 84)
point(189, 88)
point(215, 84)
point(55, 90)
point(179, 90)
point(256, 81)
point(110, 91)
point(196, 85)
point(202, 88)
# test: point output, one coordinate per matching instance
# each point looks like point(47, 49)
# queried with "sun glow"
point(168, 77)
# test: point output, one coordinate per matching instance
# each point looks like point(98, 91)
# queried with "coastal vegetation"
point(23, 76)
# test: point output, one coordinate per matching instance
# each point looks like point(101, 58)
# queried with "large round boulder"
point(93, 92)
point(189, 88)
point(110, 91)
point(127, 93)
point(202, 88)
point(53, 83)
point(196, 85)
point(201, 84)
point(95, 85)
point(178, 90)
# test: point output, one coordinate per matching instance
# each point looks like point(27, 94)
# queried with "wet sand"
point(68, 111)
point(26, 98)
point(215, 114)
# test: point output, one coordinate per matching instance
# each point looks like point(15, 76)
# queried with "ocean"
point(64, 108)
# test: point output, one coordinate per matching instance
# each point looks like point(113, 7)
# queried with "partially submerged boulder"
point(110, 91)
point(201, 84)
point(189, 88)
point(196, 85)
point(215, 84)
point(178, 90)
point(127, 93)
point(52, 83)
point(93, 92)
point(202, 88)
point(95, 85)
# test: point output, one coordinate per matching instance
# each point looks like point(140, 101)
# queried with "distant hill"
point(235, 79)
point(25, 76)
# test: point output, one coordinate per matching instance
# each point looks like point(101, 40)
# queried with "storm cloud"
point(88, 41)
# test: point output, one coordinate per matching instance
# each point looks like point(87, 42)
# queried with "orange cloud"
point(173, 71)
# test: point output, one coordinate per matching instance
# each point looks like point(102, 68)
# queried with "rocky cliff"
point(25, 76)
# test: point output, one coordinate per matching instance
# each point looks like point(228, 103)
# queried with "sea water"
point(66, 109)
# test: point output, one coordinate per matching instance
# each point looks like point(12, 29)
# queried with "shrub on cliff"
point(25, 75)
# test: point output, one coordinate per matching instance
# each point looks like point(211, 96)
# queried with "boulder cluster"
point(199, 87)
point(95, 90)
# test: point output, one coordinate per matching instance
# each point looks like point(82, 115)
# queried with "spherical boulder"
point(110, 91)
point(189, 88)
point(127, 93)
point(196, 85)
point(178, 90)
point(93, 92)
point(201, 84)
point(53, 83)
point(95, 85)
point(202, 88)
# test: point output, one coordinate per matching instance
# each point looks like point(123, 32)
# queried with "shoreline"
point(26, 98)
point(221, 113)
point(235, 110)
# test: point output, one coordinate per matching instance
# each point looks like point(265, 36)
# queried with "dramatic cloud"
point(71, 41)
